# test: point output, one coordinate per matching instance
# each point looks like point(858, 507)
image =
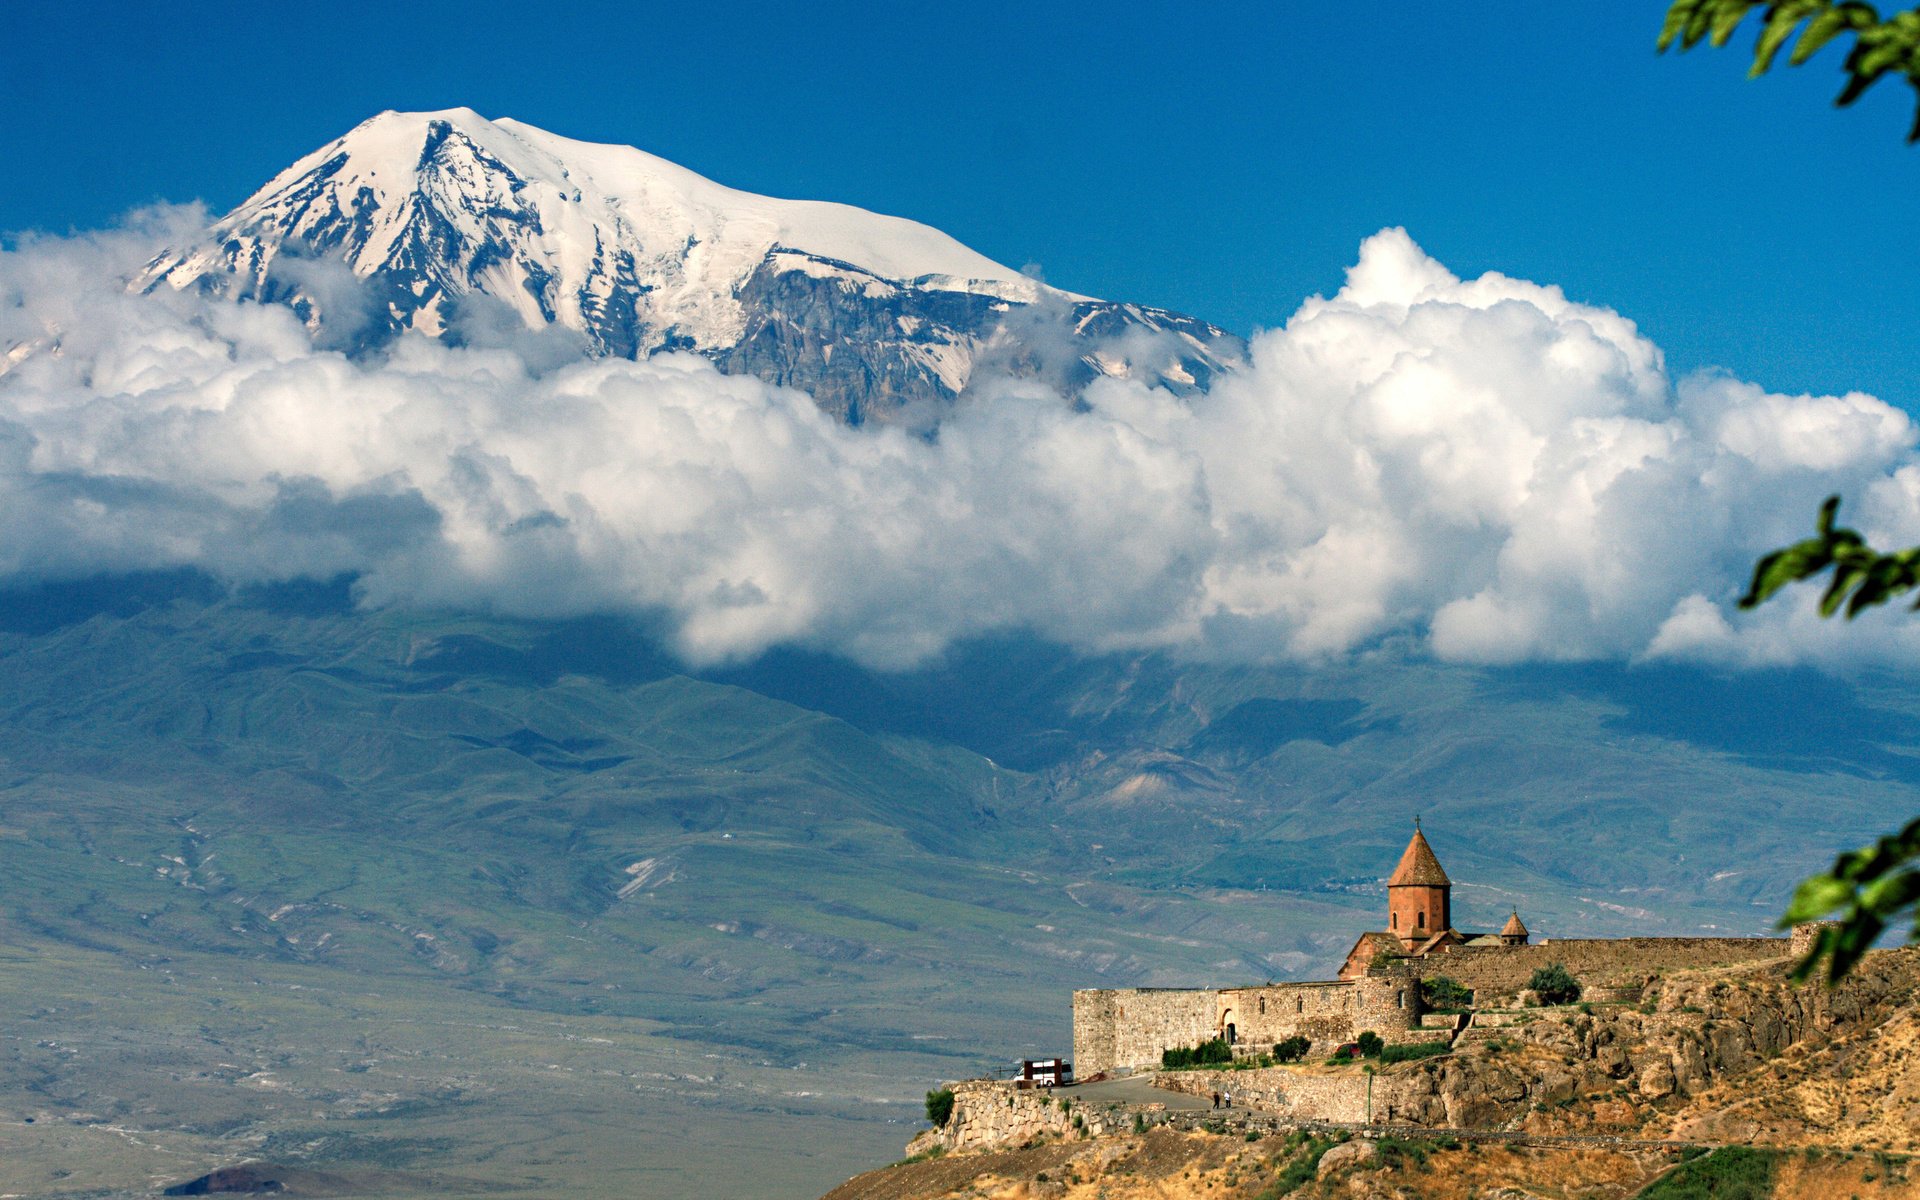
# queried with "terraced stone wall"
point(1298, 1094)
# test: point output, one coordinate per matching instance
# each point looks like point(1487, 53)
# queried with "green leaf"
point(1782, 567)
point(1853, 939)
point(1822, 29)
point(1781, 23)
point(1727, 19)
point(1816, 897)
point(1891, 894)
point(1677, 17)
point(1829, 510)
point(1845, 576)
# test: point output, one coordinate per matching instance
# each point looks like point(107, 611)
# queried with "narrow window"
point(1396, 920)
point(1423, 920)
point(1299, 1004)
point(1263, 1006)
point(1400, 998)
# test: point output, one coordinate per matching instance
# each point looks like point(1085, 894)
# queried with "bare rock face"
point(1657, 1080)
point(1356, 1153)
point(1694, 1032)
point(989, 1114)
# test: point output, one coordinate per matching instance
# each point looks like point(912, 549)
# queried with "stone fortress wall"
point(1127, 1028)
point(1498, 973)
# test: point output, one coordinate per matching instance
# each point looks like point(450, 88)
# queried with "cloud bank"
point(1479, 468)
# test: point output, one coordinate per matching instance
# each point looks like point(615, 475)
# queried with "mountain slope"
point(433, 211)
point(787, 894)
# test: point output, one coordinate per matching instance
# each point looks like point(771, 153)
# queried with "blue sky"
point(1224, 160)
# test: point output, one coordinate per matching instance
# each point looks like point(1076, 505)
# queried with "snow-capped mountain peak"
point(632, 251)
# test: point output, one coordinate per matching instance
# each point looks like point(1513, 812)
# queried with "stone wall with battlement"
point(1129, 1028)
point(1498, 973)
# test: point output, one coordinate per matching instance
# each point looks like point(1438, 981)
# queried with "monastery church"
point(1378, 986)
point(1420, 916)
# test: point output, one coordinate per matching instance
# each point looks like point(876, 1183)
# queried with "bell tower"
point(1419, 894)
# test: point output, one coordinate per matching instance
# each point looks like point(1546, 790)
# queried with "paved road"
point(1134, 1089)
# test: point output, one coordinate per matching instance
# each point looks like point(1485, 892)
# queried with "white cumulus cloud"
point(1482, 468)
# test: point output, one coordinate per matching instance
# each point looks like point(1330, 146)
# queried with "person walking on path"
point(1229, 1098)
point(1216, 1099)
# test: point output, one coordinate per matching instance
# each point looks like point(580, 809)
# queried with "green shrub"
point(1300, 1171)
point(1394, 1151)
point(1554, 984)
point(1206, 1054)
point(1445, 995)
point(1371, 1044)
point(1292, 1050)
point(1730, 1173)
point(1407, 1053)
point(940, 1107)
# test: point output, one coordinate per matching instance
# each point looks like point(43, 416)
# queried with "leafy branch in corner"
point(1862, 576)
point(1882, 46)
point(1866, 887)
point(1870, 886)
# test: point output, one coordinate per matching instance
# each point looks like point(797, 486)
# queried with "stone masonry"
point(1130, 1027)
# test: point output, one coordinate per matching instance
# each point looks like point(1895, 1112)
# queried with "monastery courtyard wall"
point(1498, 973)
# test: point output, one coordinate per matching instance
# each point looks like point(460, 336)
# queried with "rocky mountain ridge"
point(447, 223)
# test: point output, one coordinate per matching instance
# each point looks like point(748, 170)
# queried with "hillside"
point(774, 901)
point(1730, 1074)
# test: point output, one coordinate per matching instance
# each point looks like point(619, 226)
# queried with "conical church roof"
point(1418, 866)
point(1513, 927)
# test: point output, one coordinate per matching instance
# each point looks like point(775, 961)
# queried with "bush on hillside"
point(940, 1107)
point(1729, 1173)
point(1371, 1044)
point(1554, 984)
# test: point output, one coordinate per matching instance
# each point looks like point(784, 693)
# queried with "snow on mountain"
point(866, 312)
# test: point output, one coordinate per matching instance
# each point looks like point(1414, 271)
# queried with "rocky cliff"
point(1816, 1090)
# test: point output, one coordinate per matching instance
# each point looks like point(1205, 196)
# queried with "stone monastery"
point(1378, 987)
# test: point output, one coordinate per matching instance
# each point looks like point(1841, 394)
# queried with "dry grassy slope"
point(1860, 1090)
point(1167, 1165)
